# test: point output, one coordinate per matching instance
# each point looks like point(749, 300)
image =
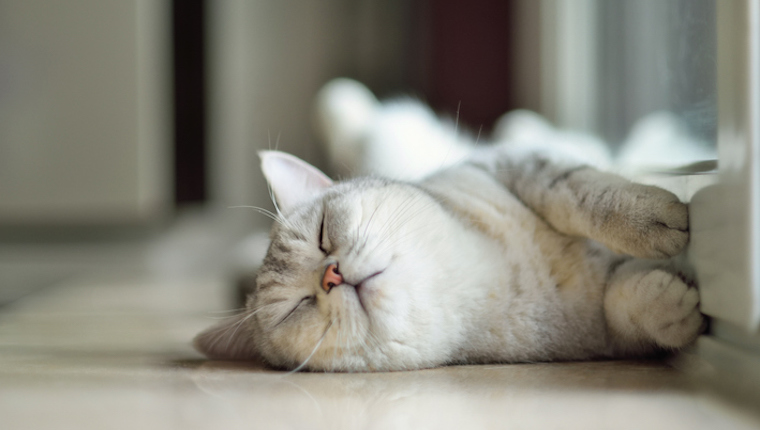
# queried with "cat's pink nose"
point(331, 278)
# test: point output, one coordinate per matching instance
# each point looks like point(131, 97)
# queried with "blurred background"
point(128, 128)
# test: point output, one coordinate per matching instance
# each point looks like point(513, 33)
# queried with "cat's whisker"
point(307, 393)
point(283, 221)
point(366, 234)
point(361, 338)
point(397, 217)
point(399, 241)
point(442, 164)
point(347, 345)
point(335, 345)
point(398, 238)
point(260, 210)
point(373, 337)
point(234, 327)
point(239, 324)
point(364, 347)
point(280, 218)
point(221, 318)
point(321, 339)
point(405, 216)
point(371, 344)
point(364, 237)
point(228, 311)
point(342, 340)
point(412, 215)
point(352, 345)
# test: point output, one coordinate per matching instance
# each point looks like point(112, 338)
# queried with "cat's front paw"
point(649, 222)
point(669, 312)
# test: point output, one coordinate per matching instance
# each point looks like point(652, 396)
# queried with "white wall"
point(84, 120)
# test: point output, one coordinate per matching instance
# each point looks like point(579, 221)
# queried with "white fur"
point(403, 139)
point(400, 139)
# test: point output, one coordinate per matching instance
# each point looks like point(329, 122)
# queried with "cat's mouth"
point(363, 281)
point(361, 290)
point(333, 277)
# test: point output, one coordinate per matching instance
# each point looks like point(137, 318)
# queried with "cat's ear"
point(293, 180)
point(228, 340)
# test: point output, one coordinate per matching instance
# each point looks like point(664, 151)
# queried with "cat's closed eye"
point(305, 301)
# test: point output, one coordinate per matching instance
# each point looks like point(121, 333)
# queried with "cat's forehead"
point(352, 191)
point(341, 197)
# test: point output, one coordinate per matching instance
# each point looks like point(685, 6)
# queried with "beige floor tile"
point(112, 351)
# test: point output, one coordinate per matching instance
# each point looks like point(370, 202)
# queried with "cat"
point(518, 253)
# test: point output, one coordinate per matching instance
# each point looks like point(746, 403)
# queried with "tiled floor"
point(110, 349)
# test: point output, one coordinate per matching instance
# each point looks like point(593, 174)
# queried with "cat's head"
point(352, 281)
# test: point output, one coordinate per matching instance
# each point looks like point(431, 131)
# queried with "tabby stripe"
point(566, 175)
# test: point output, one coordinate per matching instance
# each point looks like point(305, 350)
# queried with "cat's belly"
point(546, 295)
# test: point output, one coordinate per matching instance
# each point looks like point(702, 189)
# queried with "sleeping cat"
point(516, 254)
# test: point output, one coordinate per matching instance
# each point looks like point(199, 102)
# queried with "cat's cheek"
point(372, 293)
point(392, 310)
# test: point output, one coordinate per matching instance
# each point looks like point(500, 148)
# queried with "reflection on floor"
point(99, 337)
point(110, 349)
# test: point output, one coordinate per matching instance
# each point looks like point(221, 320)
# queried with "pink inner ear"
point(293, 180)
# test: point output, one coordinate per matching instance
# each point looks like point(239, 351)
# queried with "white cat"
point(519, 253)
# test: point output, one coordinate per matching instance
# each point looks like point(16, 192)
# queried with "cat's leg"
point(648, 306)
point(399, 139)
point(579, 200)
